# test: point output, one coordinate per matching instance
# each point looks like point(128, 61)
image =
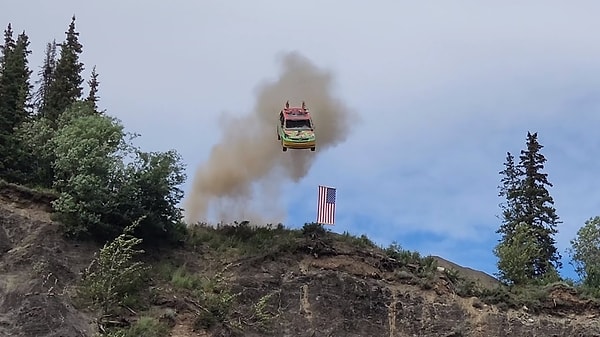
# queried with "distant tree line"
point(527, 252)
point(53, 136)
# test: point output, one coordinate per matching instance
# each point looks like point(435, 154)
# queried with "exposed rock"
point(319, 289)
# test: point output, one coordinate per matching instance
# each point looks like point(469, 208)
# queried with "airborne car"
point(295, 129)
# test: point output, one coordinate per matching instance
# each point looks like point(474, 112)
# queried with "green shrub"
point(182, 279)
point(363, 241)
point(144, 327)
point(242, 239)
point(113, 277)
point(422, 266)
point(313, 230)
point(217, 300)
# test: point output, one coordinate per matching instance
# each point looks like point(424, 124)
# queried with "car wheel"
point(312, 148)
point(284, 149)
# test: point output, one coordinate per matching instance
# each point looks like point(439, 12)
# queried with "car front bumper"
point(298, 144)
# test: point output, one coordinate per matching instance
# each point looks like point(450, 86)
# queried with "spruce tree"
point(46, 75)
point(93, 84)
point(510, 190)
point(16, 82)
point(528, 203)
point(538, 205)
point(5, 53)
point(65, 87)
point(15, 90)
point(5, 50)
point(8, 46)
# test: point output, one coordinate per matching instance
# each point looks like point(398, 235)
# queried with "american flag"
point(326, 206)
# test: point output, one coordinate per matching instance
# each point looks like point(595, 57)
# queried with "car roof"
point(296, 113)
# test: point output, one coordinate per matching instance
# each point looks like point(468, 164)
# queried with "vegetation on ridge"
point(101, 187)
point(62, 142)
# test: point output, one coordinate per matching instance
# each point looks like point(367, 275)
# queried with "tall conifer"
point(93, 93)
point(529, 204)
point(65, 87)
point(538, 205)
point(15, 91)
point(45, 77)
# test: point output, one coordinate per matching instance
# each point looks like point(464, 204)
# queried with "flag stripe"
point(326, 205)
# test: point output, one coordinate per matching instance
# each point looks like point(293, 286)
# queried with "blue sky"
point(443, 91)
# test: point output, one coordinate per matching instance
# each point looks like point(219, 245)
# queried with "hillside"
point(236, 281)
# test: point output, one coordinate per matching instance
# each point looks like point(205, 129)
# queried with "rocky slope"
point(271, 283)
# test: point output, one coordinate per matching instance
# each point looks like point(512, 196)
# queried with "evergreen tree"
point(8, 46)
point(65, 87)
point(528, 202)
point(538, 205)
point(45, 78)
point(93, 84)
point(15, 91)
point(510, 189)
point(5, 50)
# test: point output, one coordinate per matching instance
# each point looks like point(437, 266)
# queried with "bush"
point(184, 280)
point(145, 327)
point(112, 277)
point(242, 239)
point(104, 182)
point(313, 230)
point(363, 241)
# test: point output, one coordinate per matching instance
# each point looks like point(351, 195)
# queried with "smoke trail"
point(242, 177)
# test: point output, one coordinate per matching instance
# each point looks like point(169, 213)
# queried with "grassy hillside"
point(240, 280)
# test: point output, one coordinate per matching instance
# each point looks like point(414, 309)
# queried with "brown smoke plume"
point(241, 179)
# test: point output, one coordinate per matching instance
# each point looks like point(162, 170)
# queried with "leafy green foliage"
point(145, 326)
point(261, 317)
point(517, 255)
point(360, 241)
point(412, 265)
point(150, 187)
point(313, 230)
point(182, 279)
point(243, 238)
point(585, 251)
point(113, 275)
point(85, 161)
point(218, 302)
point(104, 181)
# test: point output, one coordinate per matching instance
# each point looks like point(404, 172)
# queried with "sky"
point(442, 91)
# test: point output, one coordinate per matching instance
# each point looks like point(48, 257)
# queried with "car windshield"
point(298, 124)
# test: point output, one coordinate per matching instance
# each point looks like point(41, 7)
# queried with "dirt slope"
point(309, 286)
point(35, 266)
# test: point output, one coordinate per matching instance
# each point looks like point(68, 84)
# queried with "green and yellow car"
point(295, 129)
